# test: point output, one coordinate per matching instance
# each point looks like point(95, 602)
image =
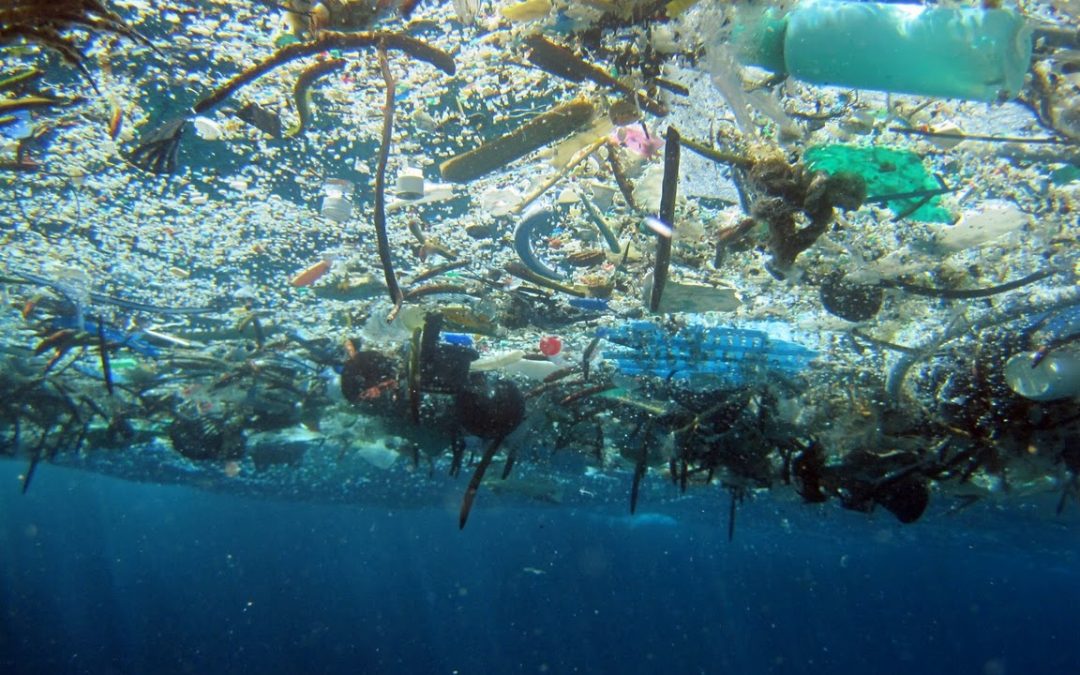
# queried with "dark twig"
point(477, 478)
point(640, 467)
point(735, 498)
point(327, 40)
point(587, 356)
point(586, 393)
point(979, 137)
point(383, 240)
point(719, 156)
point(967, 294)
point(667, 216)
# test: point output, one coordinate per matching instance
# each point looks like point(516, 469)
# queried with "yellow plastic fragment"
point(677, 7)
point(543, 129)
point(565, 151)
point(529, 10)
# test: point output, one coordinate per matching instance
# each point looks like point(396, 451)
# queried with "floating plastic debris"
point(550, 345)
point(459, 339)
point(978, 54)
point(410, 184)
point(186, 303)
point(335, 204)
point(589, 304)
point(529, 10)
point(545, 128)
point(682, 296)
point(887, 171)
point(207, 129)
point(1052, 378)
point(731, 356)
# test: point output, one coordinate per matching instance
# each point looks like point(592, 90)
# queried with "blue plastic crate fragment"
point(731, 356)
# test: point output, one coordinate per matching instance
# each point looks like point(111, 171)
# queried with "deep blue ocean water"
point(103, 576)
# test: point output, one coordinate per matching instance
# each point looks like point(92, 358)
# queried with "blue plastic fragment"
point(563, 24)
point(535, 217)
point(731, 355)
point(20, 128)
point(589, 304)
point(461, 339)
point(133, 341)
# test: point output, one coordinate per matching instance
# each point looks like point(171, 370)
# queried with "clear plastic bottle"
point(969, 53)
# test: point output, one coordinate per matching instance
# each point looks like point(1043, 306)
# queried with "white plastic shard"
point(692, 297)
point(207, 129)
point(467, 10)
point(993, 218)
point(496, 361)
point(658, 226)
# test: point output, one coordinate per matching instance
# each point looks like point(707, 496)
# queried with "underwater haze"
point(539, 336)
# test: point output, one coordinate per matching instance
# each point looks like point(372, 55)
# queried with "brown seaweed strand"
point(436, 289)
point(719, 156)
point(562, 62)
point(640, 467)
point(667, 216)
point(383, 240)
point(474, 482)
point(303, 85)
point(433, 272)
point(346, 42)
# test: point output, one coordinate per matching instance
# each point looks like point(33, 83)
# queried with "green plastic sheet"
point(886, 172)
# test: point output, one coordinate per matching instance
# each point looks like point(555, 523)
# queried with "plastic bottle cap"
point(550, 345)
point(410, 183)
point(337, 209)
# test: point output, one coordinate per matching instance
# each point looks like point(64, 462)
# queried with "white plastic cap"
point(410, 183)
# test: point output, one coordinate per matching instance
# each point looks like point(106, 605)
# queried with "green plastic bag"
point(886, 172)
point(1065, 174)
